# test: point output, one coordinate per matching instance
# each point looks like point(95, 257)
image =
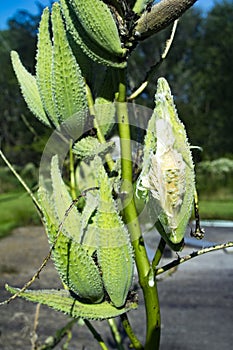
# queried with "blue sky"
point(9, 8)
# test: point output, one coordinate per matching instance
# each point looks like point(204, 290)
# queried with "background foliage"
point(198, 68)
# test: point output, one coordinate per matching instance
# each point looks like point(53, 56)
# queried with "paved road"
point(196, 301)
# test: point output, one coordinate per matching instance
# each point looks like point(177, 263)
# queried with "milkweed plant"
point(91, 216)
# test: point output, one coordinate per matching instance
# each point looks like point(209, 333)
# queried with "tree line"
point(198, 68)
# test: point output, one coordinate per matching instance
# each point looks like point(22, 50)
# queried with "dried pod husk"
point(167, 180)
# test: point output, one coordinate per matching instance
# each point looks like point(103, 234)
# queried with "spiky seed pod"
point(44, 73)
point(90, 47)
point(75, 266)
point(97, 21)
point(29, 89)
point(68, 83)
point(114, 252)
point(58, 88)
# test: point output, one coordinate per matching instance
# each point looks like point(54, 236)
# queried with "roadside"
point(196, 301)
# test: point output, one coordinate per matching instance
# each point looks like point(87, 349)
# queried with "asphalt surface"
point(196, 300)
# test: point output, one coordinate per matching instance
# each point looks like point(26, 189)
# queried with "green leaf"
point(64, 302)
point(68, 83)
point(29, 89)
point(89, 147)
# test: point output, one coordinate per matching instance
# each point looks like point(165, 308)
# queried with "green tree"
point(199, 69)
point(180, 67)
point(20, 143)
point(215, 102)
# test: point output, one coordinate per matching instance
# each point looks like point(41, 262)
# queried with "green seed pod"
point(75, 266)
point(115, 254)
point(29, 89)
point(82, 38)
point(68, 84)
point(44, 74)
point(97, 21)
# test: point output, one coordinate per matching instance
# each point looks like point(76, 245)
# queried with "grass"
point(16, 209)
point(216, 209)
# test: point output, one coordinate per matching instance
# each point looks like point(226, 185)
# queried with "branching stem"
point(185, 258)
point(152, 70)
point(131, 219)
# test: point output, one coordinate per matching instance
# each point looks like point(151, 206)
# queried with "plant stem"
point(158, 254)
point(127, 327)
point(96, 335)
point(115, 333)
point(183, 259)
point(19, 178)
point(57, 338)
point(131, 219)
point(154, 68)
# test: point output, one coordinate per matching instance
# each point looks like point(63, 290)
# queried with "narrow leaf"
point(64, 302)
point(89, 147)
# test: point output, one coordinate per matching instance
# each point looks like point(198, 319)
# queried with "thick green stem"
point(158, 254)
point(131, 219)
